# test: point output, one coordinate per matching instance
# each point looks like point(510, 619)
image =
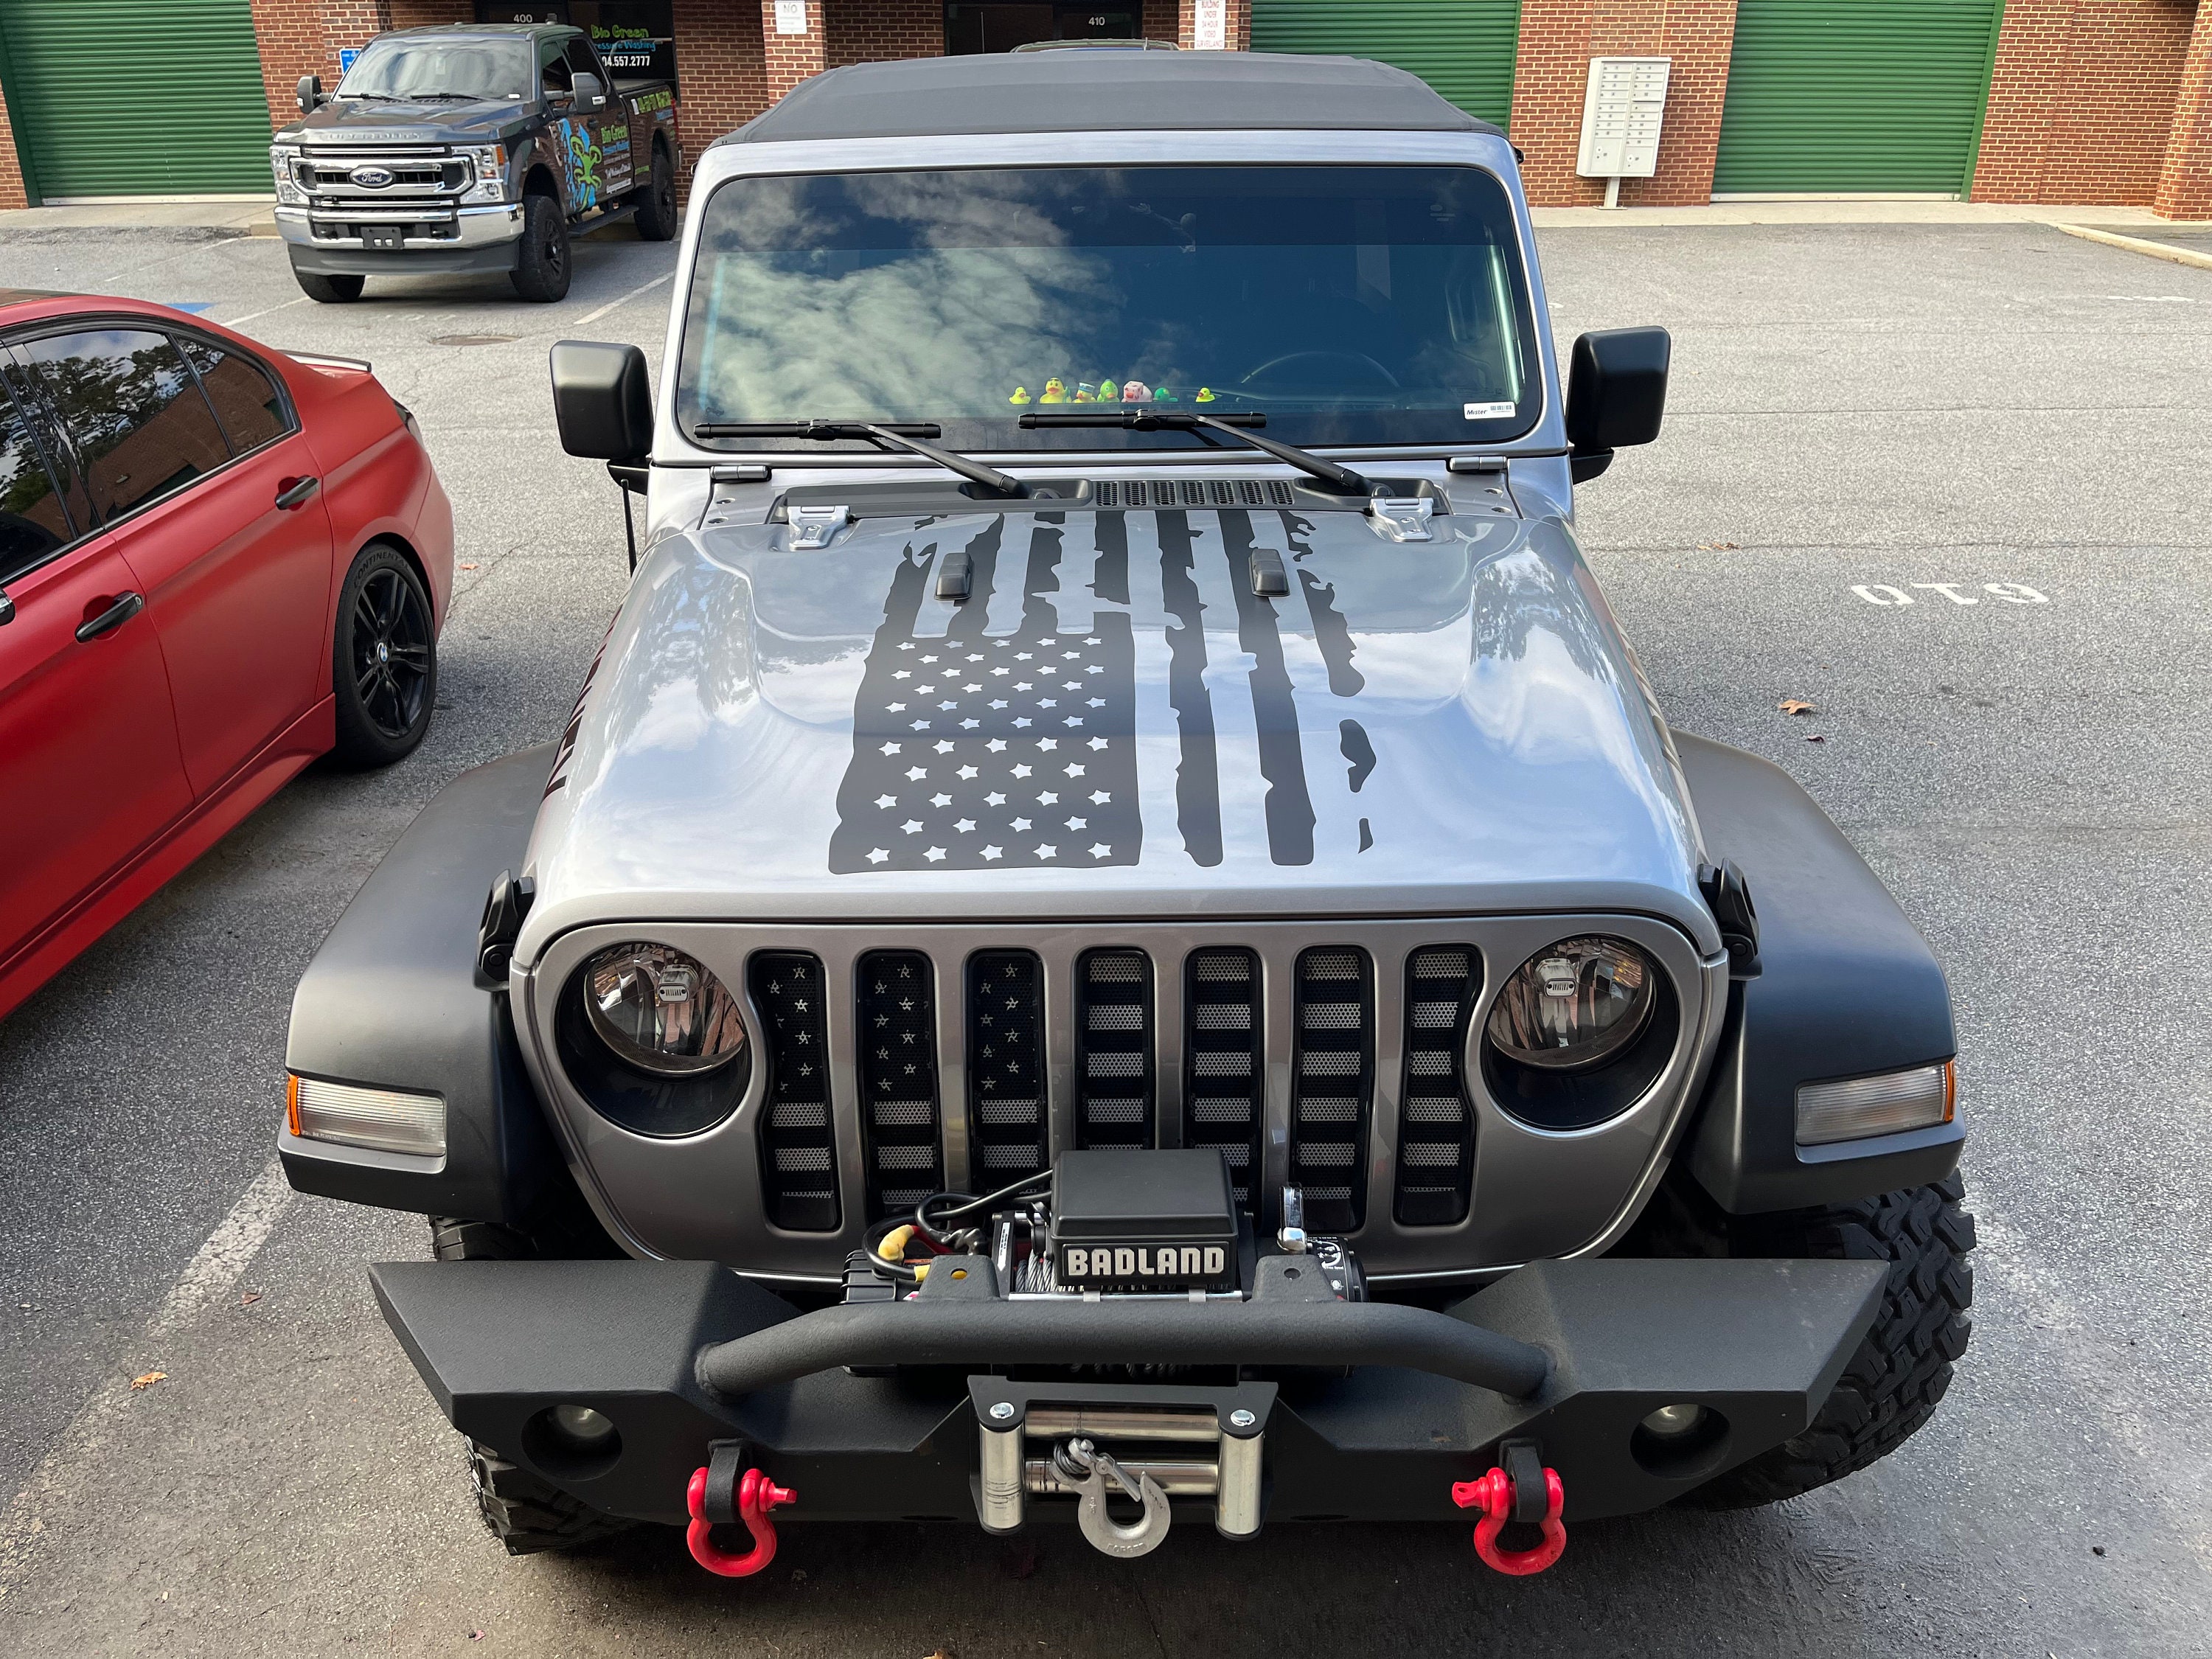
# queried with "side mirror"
point(1616, 394)
point(590, 93)
point(311, 93)
point(602, 400)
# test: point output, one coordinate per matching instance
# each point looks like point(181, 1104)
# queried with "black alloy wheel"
point(656, 209)
point(541, 265)
point(385, 661)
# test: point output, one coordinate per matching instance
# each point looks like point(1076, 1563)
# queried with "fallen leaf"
point(1719, 547)
point(1795, 706)
point(248, 1298)
point(148, 1380)
point(469, 567)
point(1816, 737)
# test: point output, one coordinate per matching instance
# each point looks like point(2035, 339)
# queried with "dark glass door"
point(974, 26)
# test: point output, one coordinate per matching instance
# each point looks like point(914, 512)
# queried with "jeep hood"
point(1114, 724)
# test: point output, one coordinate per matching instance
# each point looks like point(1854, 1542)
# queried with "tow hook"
point(1522, 1490)
point(719, 1495)
point(1085, 1470)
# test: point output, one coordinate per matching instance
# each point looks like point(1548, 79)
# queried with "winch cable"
point(931, 1232)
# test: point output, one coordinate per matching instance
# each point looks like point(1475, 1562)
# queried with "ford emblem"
point(371, 177)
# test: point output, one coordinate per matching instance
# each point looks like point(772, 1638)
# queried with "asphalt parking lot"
point(1945, 483)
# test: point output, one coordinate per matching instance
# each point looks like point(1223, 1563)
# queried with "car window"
point(131, 409)
point(553, 68)
point(34, 522)
point(581, 60)
point(246, 399)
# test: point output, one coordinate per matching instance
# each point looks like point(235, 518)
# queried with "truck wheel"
point(384, 660)
point(656, 206)
point(541, 264)
point(523, 1513)
point(1902, 1368)
point(328, 290)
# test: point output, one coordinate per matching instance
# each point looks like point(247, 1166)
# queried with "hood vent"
point(1333, 1085)
point(1436, 1151)
point(1223, 1075)
point(1192, 492)
point(897, 1032)
point(1113, 1048)
point(1006, 1065)
point(799, 1148)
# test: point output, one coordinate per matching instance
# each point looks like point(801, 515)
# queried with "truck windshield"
point(1349, 304)
point(480, 70)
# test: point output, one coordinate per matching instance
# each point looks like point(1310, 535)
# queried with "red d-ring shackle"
point(1494, 1495)
point(757, 1496)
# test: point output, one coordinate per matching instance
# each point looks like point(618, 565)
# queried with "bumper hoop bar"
point(997, 1334)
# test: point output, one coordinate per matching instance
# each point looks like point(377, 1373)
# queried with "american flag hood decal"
point(1114, 718)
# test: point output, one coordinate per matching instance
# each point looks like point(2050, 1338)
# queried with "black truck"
point(470, 148)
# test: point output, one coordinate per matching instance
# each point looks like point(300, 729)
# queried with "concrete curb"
point(2181, 256)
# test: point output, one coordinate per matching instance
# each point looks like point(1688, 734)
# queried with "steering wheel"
point(1360, 357)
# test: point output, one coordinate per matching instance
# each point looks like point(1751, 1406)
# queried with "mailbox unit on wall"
point(1624, 106)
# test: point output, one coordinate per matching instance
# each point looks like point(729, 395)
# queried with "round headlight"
point(661, 1012)
point(1574, 1005)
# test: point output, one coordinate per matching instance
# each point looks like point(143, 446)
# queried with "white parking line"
point(617, 305)
point(252, 316)
point(214, 1268)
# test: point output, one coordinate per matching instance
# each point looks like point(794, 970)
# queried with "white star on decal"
point(1048, 743)
point(876, 855)
point(954, 703)
point(1021, 685)
point(967, 772)
point(1099, 849)
point(1099, 798)
point(1047, 799)
point(943, 746)
point(887, 800)
point(1094, 669)
point(1090, 642)
point(1047, 702)
point(935, 854)
point(908, 646)
point(1075, 771)
point(1021, 824)
point(941, 800)
point(912, 826)
point(1072, 719)
point(888, 749)
point(1079, 823)
point(1002, 670)
point(1021, 771)
point(994, 799)
point(994, 853)
point(997, 702)
point(995, 744)
point(1097, 743)
point(915, 772)
point(970, 726)
point(1048, 851)
point(919, 726)
point(965, 825)
point(1021, 656)
point(974, 656)
point(929, 659)
point(1070, 685)
point(1097, 702)
point(1022, 721)
point(897, 707)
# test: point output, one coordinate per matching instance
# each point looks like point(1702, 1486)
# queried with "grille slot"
point(1223, 1077)
point(1333, 1085)
point(1005, 1063)
point(897, 1002)
point(1436, 1131)
point(1114, 1074)
point(799, 1148)
point(1192, 492)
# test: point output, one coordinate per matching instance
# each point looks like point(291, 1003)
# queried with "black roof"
point(1105, 92)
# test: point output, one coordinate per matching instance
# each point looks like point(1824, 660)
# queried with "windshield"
point(1348, 304)
point(475, 70)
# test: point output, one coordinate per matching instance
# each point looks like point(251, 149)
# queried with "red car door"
point(220, 521)
point(90, 766)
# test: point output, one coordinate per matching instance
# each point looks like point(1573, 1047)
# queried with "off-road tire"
point(1902, 1366)
point(383, 601)
point(657, 219)
point(520, 1509)
point(329, 290)
point(541, 259)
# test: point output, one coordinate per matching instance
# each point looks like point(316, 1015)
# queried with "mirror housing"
point(589, 92)
point(602, 400)
point(1616, 394)
point(310, 93)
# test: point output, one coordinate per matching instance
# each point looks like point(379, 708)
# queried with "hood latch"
point(812, 528)
point(1403, 518)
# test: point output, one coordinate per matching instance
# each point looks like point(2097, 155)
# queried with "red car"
point(217, 561)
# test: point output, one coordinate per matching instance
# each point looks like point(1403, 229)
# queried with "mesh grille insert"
point(896, 1004)
point(799, 1148)
point(1006, 1060)
point(1114, 1059)
point(1435, 1130)
point(1221, 1076)
point(1333, 1085)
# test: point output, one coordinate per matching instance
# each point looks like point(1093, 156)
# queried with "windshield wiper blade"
point(884, 437)
point(1342, 479)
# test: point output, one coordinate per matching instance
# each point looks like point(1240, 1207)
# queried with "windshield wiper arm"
point(884, 437)
point(1342, 479)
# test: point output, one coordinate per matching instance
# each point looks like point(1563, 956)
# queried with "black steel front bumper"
point(1376, 1409)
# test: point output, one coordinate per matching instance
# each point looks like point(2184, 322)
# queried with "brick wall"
point(2081, 102)
point(1238, 25)
point(12, 194)
point(1551, 72)
point(872, 31)
point(790, 59)
point(2185, 184)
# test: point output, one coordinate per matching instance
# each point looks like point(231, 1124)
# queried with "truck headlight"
point(658, 1010)
point(284, 163)
point(1890, 1102)
point(487, 172)
point(1574, 1005)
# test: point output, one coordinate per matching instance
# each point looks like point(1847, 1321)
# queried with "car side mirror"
point(602, 400)
point(1616, 394)
point(311, 93)
point(591, 93)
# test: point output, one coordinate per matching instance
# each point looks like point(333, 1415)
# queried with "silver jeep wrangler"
point(1117, 935)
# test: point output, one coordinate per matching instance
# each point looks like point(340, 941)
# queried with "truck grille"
point(1225, 1080)
point(1005, 1067)
point(1113, 1048)
point(411, 175)
point(899, 1112)
point(799, 1147)
point(1333, 1085)
point(1436, 1151)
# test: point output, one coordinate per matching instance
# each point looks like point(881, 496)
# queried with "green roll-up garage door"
point(1463, 48)
point(1847, 95)
point(137, 97)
